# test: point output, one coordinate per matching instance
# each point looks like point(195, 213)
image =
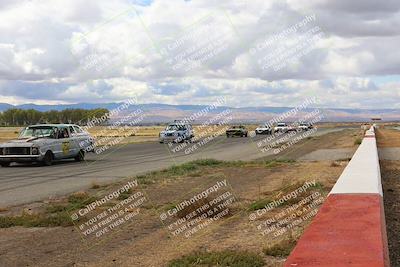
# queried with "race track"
point(27, 183)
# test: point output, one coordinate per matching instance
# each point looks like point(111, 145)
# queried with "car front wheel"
point(80, 156)
point(48, 159)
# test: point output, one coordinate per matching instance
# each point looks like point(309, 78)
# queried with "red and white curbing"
point(349, 229)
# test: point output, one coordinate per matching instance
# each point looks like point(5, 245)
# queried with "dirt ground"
point(388, 138)
point(8, 133)
point(390, 170)
point(146, 241)
point(343, 140)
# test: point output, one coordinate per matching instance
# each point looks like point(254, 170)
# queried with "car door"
point(56, 144)
point(64, 142)
point(52, 143)
point(74, 141)
point(85, 140)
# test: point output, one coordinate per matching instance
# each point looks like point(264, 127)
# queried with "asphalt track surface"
point(25, 183)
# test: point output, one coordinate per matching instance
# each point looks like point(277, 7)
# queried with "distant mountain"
point(62, 107)
point(161, 113)
point(4, 106)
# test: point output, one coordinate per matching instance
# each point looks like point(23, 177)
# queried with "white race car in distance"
point(263, 129)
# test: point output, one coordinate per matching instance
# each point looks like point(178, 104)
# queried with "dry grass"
point(357, 141)
point(281, 249)
point(388, 138)
point(131, 135)
point(3, 209)
point(8, 133)
point(230, 241)
point(51, 215)
point(220, 258)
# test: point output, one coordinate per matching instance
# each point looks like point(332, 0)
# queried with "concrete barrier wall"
point(349, 229)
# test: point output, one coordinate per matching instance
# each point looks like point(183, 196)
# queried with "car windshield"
point(174, 127)
point(281, 124)
point(39, 132)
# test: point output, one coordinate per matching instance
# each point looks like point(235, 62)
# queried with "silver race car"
point(177, 132)
point(46, 143)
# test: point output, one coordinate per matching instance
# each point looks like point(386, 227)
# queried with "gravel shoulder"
point(389, 140)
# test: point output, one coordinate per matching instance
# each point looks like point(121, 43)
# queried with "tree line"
point(21, 117)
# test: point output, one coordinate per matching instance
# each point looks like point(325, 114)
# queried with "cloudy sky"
point(254, 53)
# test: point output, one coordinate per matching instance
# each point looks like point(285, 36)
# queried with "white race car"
point(281, 127)
point(45, 143)
point(305, 126)
point(177, 132)
point(263, 129)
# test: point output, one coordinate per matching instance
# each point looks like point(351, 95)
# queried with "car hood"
point(21, 142)
point(170, 132)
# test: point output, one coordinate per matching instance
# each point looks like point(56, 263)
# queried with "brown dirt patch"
point(145, 242)
point(390, 170)
point(388, 138)
point(391, 187)
point(341, 139)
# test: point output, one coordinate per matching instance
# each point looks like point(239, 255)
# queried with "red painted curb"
point(349, 230)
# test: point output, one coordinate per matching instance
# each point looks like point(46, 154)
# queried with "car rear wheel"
point(5, 164)
point(80, 156)
point(48, 159)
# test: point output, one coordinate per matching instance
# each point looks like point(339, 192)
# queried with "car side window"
point(72, 130)
point(78, 129)
point(63, 133)
point(54, 133)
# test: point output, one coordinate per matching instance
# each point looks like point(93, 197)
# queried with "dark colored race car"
point(237, 130)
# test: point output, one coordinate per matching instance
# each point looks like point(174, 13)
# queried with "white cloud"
point(100, 50)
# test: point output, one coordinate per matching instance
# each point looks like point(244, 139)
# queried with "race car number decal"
point(65, 147)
